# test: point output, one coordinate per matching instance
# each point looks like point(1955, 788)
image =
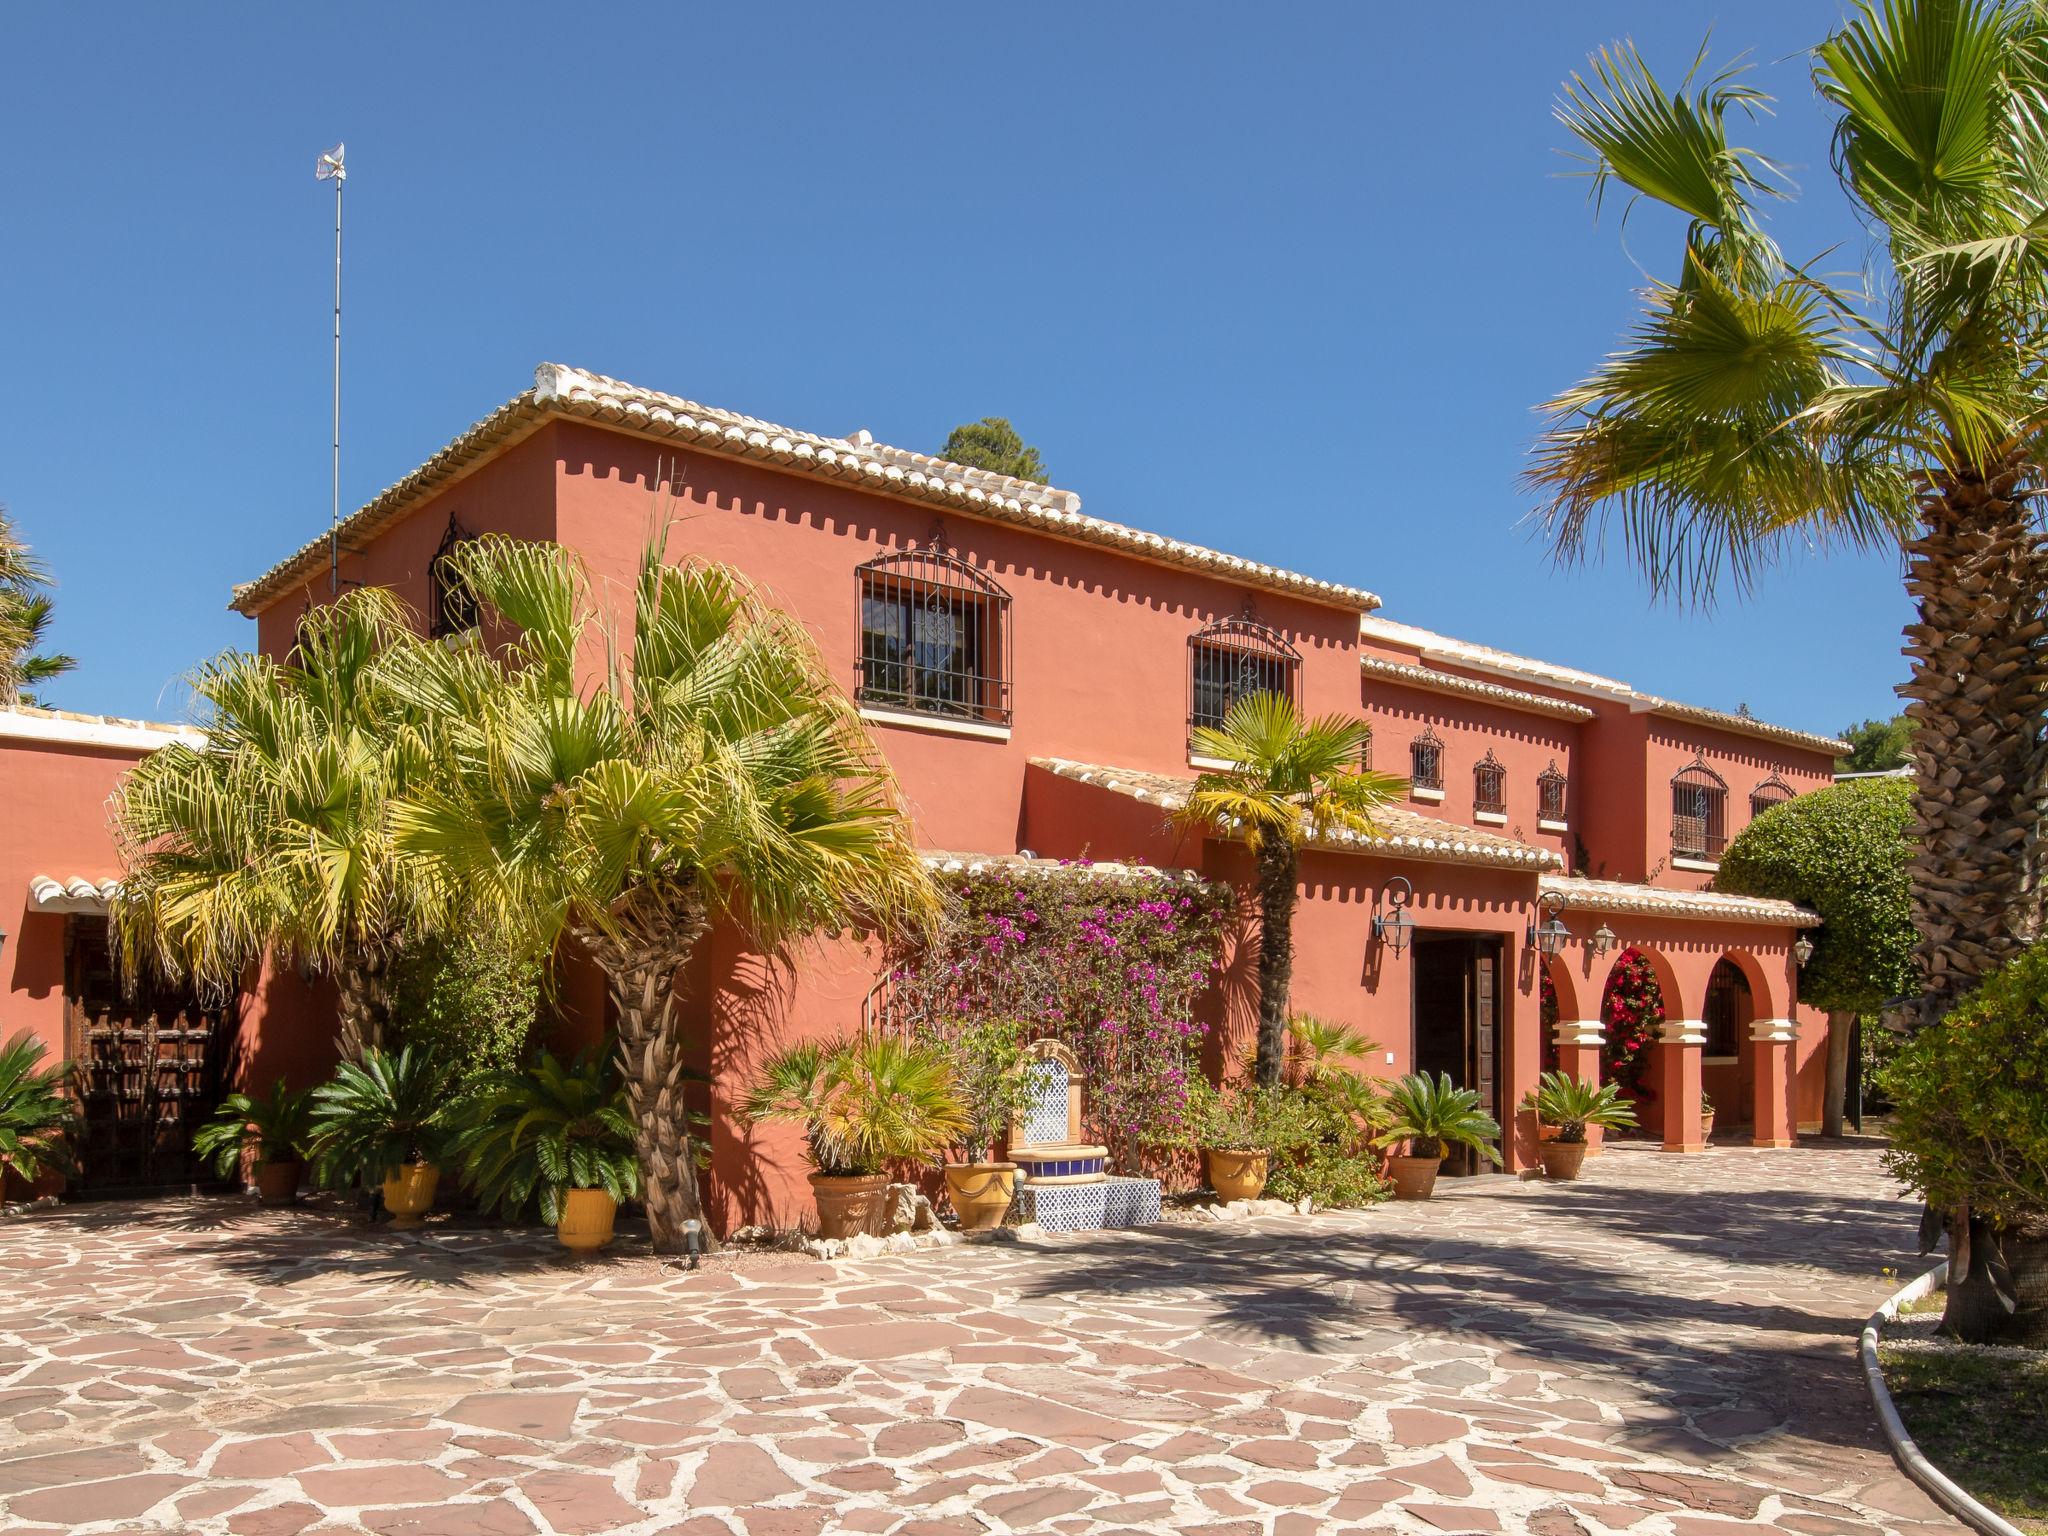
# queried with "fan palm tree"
point(25, 613)
point(1294, 781)
point(1759, 406)
point(275, 834)
point(708, 771)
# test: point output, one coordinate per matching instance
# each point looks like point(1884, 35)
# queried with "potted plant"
point(274, 1129)
point(555, 1135)
point(36, 1118)
point(1239, 1129)
point(385, 1118)
point(1567, 1105)
point(863, 1104)
point(986, 1060)
point(1706, 1117)
point(1431, 1116)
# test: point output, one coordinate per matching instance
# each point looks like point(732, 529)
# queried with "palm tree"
point(710, 772)
point(275, 835)
point(1294, 782)
point(1759, 405)
point(25, 613)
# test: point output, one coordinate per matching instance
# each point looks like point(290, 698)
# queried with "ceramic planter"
point(1562, 1159)
point(409, 1193)
point(1236, 1173)
point(1414, 1177)
point(981, 1193)
point(586, 1223)
point(849, 1205)
point(277, 1181)
point(1707, 1126)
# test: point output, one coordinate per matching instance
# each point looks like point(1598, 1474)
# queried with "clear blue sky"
point(1287, 281)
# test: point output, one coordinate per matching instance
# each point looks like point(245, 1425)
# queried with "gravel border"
point(1908, 1455)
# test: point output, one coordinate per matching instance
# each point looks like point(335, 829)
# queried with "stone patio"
point(1666, 1348)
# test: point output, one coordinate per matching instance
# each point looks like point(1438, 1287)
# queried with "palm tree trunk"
point(1277, 870)
point(363, 1005)
point(1975, 572)
point(641, 960)
point(1839, 1026)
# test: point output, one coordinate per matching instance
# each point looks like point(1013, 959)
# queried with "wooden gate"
point(149, 1067)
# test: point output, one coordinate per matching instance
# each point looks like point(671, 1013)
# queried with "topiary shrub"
point(470, 1005)
point(1969, 1133)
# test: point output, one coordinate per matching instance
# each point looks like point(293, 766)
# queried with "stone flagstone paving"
point(1667, 1348)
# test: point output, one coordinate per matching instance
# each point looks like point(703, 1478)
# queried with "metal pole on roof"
point(330, 167)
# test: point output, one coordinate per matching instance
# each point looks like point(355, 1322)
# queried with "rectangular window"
point(1223, 676)
point(1698, 820)
point(925, 650)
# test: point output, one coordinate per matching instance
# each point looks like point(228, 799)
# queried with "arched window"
point(451, 606)
point(1727, 1003)
point(1426, 761)
point(1699, 811)
point(1231, 660)
point(1489, 786)
point(1550, 786)
point(1773, 791)
point(934, 637)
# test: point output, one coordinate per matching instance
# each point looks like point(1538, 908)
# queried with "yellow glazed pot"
point(1236, 1174)
point(586, 1223)
point(409, 1192)
point(981, 1193)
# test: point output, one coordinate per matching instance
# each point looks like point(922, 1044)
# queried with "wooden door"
point(149, 1067)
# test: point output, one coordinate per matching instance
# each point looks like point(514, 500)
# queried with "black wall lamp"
point(1393, 926)
point(1551, 936)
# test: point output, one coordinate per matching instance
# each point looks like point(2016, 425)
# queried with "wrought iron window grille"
point(1233, 659)
point(934, 637)
point(1773, 791)
point(1550, 788)
point(1699, 811)
point(1426, 761)
point(451, 606)
point(1489, 785)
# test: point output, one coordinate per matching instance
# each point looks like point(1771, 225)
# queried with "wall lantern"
point(1803, 949)
point(1602, 940)
point(1551, 936)
point(1394, 926)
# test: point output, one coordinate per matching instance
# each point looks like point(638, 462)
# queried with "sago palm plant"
point(275, 835)
point(1571, 1104)
point(863, 1103)
point(630, 779)
point(1292, 783)
point(1433, 1115)
point(278, 1127)
point(380, 1114)
point(530, 1136)
point(36, 1116)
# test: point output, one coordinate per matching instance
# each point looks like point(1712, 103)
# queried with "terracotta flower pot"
point(1562, 1159)
point(1236, 1174)
point(1707, 1126)
point(277, 1181)
point(849, 1205)
point(1414, 1177)
point(586, 1223)
point(409, 1192)
point(981, 1193)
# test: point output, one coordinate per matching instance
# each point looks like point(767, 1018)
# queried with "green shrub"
point(380, 1114)
point(35, 1116)
point(279, 1126)
point(531, 1136)
point(470, 1004)
point(1969, 1096)
point(986, 1059)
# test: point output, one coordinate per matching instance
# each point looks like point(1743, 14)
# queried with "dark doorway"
point(1457, 1022)
point(149, 1067)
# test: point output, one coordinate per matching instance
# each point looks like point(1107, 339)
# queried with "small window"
point(451, 606)
point(934, 637)
point(1727, 1003)
point(1426, 761)
point(1699, 812)
point(1489, 786)
point(1232, 660)
point(1773, 791)
point(1550, 793)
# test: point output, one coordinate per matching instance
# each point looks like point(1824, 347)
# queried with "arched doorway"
point(1726, 1068)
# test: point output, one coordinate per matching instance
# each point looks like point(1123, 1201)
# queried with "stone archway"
point(1747, 1062)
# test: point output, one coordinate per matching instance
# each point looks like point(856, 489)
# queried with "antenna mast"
point(330, 167)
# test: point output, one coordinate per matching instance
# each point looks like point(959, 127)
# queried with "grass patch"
point(1983, 1419)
